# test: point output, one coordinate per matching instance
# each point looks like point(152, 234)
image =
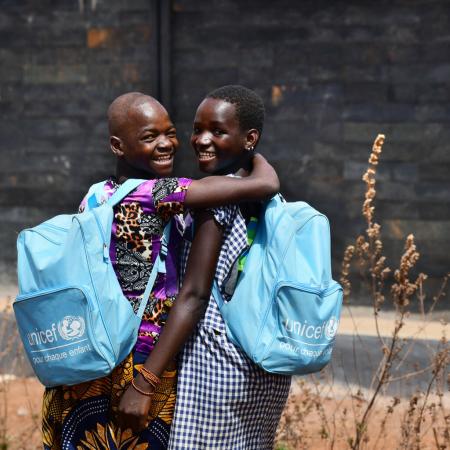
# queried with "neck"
point(125, 171)
point(244, 171)
point(241, 166)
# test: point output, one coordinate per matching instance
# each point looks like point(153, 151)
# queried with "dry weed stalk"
point(293, 427)
point(425, 414)
point(368, 251)
point(12, 357)
point(7, 339)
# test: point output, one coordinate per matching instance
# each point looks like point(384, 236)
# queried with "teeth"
point(164, 158)
point(206, 155)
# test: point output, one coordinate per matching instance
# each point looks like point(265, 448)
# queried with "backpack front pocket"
point(60, 333)
point(305, 322)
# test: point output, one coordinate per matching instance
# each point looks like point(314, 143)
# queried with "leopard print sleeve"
point(168, 196)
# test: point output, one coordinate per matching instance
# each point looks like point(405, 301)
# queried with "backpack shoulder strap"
point(93, 197)
point(124, 190)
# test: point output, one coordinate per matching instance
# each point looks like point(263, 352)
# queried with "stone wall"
point(62, 63)
point(333, 74)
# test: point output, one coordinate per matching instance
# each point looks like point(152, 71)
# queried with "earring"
point(251, 148)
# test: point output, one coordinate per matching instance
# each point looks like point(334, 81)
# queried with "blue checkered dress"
point(224, 401)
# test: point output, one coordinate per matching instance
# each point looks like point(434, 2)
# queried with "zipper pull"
point(105, 253)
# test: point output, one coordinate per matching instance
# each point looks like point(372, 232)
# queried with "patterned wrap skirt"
point(84, 416)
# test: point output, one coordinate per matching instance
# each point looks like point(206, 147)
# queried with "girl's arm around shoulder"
point(261, 184)
point(188, 309)
point(193, 298)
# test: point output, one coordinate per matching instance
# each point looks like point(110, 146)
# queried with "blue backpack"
point(285, 310)
point(75, 323)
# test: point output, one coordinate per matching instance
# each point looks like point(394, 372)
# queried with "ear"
point(251, 139)
point(116, 145)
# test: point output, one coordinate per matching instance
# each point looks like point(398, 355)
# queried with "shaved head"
point(122, 109)
point(141, 136)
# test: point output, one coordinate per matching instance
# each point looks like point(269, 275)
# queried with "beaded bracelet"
point(149, 376)
point(148, 394)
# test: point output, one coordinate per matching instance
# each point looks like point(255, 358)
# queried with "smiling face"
point(217, 138)
point(147, 139)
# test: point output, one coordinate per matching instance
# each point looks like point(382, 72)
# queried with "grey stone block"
point(423, 230)
point(363, 132)
point(370, 92)
point(11, 69)
point(402, 53)
point(440, 151)
point(405, 91)
point(435, 172)
point(432, 113)
point(382, 112)
point(401, 132)
point(433, 191)
point(432, 210)
point(439, 74)
point(396, 210)
point(11, 109)
point(434, 92)
point(52, 74)
point(396, 191)
point(120, 5)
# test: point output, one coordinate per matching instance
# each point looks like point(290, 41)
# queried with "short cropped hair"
point(249, 105)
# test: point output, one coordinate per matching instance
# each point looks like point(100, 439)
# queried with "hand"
point(134, 406)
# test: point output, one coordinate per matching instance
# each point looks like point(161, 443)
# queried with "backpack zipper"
point(22, 297)
point(275, 287)
point(105, 247)
point(95, 291)
point(56, 227)
point(42, 235)
point(273, 290)
point(307, 288)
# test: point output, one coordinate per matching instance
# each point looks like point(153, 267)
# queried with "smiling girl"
point(224, 401)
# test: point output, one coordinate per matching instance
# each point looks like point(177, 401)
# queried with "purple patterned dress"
point(84, 416)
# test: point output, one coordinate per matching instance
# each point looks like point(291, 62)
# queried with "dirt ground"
point(326, 421)
point(20, 405)
point(315, 418)
point(309, 422)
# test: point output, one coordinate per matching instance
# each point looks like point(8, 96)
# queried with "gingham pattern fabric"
point(224, 401)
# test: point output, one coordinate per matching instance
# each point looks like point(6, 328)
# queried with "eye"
point(218, 132)
point(195, 130)
point(172, 134)
point(149, 137)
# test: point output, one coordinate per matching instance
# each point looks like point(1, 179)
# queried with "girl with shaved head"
point(132, 408)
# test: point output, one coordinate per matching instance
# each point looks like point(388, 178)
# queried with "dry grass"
point(19, 404)
point(355, 418)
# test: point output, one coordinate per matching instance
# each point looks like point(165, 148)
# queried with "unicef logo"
point(331, 328)
point(71, 327)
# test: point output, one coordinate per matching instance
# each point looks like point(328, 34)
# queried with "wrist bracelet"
point(148, 394)
point(149, 376)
